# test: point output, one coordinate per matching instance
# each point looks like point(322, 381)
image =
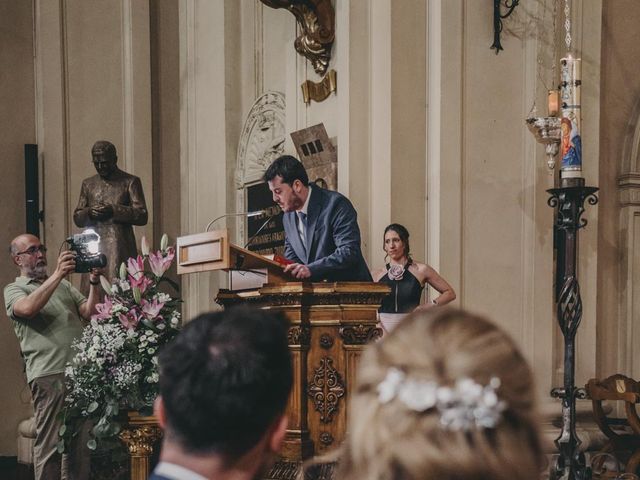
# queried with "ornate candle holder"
point(569, 200)
point(547, 131)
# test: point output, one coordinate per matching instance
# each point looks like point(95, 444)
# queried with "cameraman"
point(47, 312)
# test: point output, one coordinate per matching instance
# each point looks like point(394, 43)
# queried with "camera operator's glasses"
point(33, 250)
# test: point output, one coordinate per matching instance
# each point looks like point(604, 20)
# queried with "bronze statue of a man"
point(110, 203)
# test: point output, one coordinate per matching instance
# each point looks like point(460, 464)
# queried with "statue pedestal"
point(330, 325)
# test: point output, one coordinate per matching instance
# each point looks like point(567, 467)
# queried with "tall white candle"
point(571, 141)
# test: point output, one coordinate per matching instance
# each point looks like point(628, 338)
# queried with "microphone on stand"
point(237, 214)
point(253, 237)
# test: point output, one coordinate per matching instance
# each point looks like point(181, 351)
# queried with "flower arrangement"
point(115, 363)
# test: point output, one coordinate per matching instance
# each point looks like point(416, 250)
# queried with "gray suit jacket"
point(333, 238)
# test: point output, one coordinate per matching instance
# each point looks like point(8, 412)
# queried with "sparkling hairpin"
point(461, 407)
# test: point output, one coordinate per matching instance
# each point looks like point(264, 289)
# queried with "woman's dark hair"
point(403, 233)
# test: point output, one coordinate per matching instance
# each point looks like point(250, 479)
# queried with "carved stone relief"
point(262, 138)
point(261, 142)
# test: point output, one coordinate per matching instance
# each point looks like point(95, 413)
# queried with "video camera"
point(86, 246)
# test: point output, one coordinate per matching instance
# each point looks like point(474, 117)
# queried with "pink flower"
point(151, 310)
point(103, 310)
point(135, 267)
point(130, 320)
point(160, 263)
point(142, 282)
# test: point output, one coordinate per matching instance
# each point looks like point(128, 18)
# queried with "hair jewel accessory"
point(396, 272)
point(461, 407)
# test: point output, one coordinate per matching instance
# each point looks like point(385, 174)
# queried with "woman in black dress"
point(407, 278)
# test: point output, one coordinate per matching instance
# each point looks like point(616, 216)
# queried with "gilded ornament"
point(326, 438)
point(325, 389)
point(298, 335)
point(326, 341)
point(140, 440)
point(319, 91)
point(316, 19)
point(360, 334)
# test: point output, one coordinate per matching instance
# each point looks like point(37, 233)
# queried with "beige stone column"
point(203, 145)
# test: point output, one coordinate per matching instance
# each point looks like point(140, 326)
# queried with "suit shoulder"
point(334, 197)
point(331, 193)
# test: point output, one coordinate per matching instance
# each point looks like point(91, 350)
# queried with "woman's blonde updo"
point(390, 441)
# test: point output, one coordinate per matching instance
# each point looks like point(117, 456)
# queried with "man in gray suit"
point(322, 237)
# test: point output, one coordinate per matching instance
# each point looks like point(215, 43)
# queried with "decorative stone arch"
point(261, 141)
point(629, 178)
point(629, 198)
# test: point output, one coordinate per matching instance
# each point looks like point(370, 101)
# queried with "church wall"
point(165, 94)
point(355, 158)
point(203, 134)
point(495, 228)
point(496, 234)
point(618, 238)
point(17, 127)
point(408, 123)
point(234, 74)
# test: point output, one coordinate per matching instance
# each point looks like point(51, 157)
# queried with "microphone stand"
point(238, 214)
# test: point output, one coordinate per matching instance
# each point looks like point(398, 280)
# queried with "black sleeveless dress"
point(405, 293)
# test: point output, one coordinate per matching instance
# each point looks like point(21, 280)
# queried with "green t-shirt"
point(45, 339)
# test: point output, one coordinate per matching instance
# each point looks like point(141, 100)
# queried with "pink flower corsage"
point(396, 272)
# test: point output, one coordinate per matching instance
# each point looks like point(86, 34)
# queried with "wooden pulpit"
point(331, 323)
point(212, 251)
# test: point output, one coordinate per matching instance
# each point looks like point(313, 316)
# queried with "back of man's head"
point(225, 380)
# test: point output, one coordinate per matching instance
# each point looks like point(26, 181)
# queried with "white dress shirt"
point(176, 472)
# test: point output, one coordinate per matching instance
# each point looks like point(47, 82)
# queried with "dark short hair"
point(403, 233)
point(289, 168)
point(106, 148)
point(225, 379)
